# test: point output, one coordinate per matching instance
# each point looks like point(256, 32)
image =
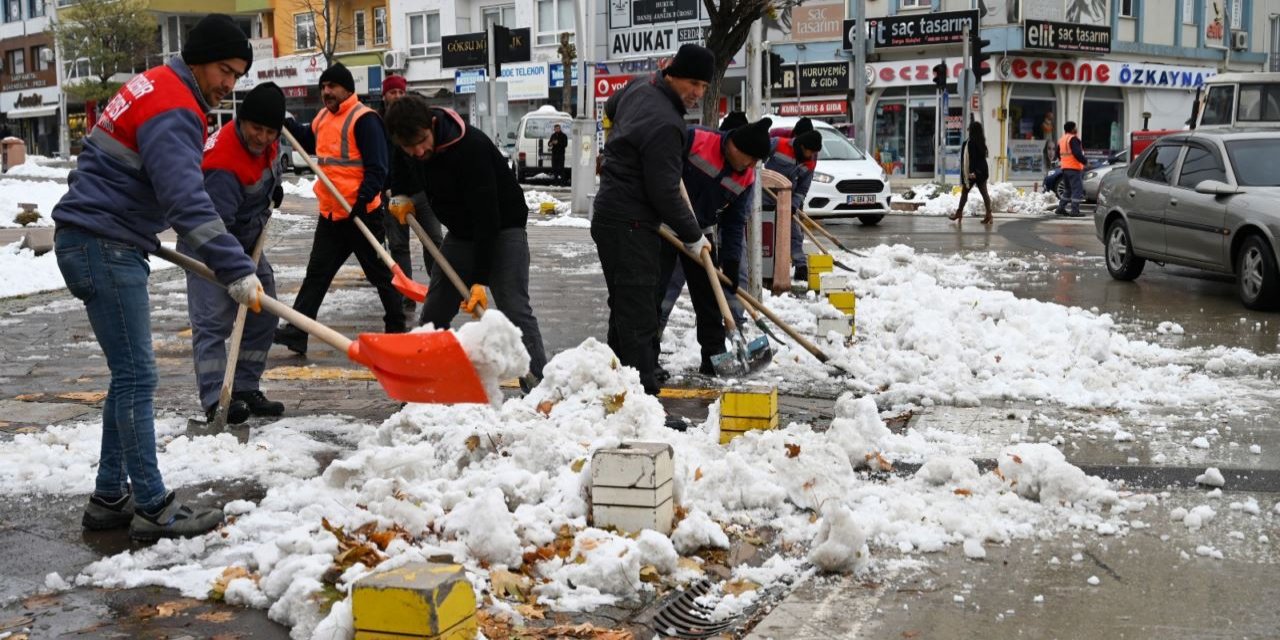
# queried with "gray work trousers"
point(398, 235)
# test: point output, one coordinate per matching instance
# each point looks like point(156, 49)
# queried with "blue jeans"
point(110, 277)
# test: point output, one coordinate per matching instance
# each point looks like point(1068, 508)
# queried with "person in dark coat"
point(640, 190)
point(478, 200)
point(558, 142)
point(974, 171)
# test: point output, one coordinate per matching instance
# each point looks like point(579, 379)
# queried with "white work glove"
point(248, 292)
point(696, 248)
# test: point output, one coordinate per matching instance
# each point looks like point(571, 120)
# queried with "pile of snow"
point(33, 170)
point(43, 193)
point(534, 199)
point(23, 272)
point(1005, 199)
point(494, 347)
point(302, 187)
point(566, 220)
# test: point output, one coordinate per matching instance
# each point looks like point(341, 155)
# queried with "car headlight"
point(824, 178)
point(1091, 175)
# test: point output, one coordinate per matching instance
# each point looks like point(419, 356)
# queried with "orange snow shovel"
point(427, 367)
point(407, 287)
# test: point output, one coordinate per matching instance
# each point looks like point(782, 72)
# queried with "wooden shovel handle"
point(237, 335)
point(437, 256)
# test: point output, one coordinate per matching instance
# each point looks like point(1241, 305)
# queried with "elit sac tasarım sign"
point(914, 30)
point(1064, 36)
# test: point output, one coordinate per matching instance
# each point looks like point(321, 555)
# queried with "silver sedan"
point(1204, 199)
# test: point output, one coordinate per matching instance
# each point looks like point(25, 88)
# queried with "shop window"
point(424, 34)
point(1033, 131)
point(1200, 164)
point(1158, 166)
point(1102, 120)
point(890, 146)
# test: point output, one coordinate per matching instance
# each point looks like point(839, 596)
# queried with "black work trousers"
point(334, 242)
point(629, 256)
point(557, 169)
point(710, 323)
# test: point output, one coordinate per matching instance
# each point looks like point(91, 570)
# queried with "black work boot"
point(102, 514)
point(237, 411)
point(293, 338)
point(258, 404)
point(802, 273)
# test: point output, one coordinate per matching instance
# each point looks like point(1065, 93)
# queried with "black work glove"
point(359, 207)
point(277, 196)
point(731, 269)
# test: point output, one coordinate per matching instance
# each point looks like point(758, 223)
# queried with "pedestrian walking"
point(640, 190)
point(974, 171)
point(106, 225)
point(718, 173)
point(482, 206)
point(1072, 160)
point(350, 146)
point(404, 196)
point(242, 175)
point(795, 159)
point(558, 142)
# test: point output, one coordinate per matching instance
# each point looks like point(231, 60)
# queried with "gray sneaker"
point(101, 514)
point(173, 520)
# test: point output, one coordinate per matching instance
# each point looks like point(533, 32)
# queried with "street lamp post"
point(64, 135)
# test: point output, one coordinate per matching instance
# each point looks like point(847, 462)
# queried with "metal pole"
point(755, 248)
point(859, 107)
point(493, 86)
point(582, 138)
point(64, 133)
point(938, 171)
point(963, 86)
point(797, 81)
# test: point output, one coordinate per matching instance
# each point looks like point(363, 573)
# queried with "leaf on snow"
point(793, 450)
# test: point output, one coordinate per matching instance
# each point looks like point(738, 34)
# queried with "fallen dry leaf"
point(578, 465)
point(216, 616)
point(173, 608)
point(545, 407)
point(509, 585)
point(473, 443)
point(219, 589)
point(1015, 458)
point(793, 450)
point(689, 564)
point(697, 474)
point(531, 611)
point(613, 403)
point(649, 573)
point(963, 492)
point(739, 587)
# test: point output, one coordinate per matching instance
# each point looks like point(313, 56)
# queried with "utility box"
point(13, 152)
point(746, 409)
point(423, 601)
point(631, 487)
point(819, 263)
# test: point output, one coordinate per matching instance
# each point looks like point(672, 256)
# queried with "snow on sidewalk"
point(1005, 199)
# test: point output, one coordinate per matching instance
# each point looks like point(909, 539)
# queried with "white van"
point(531, 154)
point(1249, 99)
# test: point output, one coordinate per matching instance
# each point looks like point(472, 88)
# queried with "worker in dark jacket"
point(405, 196)
point(242, 175)
point(350, 146)
point(479, 201)
point(106, 225)
point(639, 190)
point(793, 158)
point(718, 173)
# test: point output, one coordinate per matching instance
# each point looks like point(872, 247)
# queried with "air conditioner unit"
point(1239, 40)
point(394, 60)
point(46, 55)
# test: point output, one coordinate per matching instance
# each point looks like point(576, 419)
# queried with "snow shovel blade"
point(759, 353)
point(426, 367)
point(408, 287)
point(729, 364)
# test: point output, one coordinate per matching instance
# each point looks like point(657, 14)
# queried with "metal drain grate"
point(682, 617)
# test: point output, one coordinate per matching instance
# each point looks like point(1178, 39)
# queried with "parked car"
point(290, 159)
point(1093, 176)
point(1204, 199)
point(847, 182)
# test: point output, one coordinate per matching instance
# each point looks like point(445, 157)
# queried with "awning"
point(33, 112)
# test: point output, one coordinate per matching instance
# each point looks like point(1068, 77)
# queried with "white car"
point(847, 183)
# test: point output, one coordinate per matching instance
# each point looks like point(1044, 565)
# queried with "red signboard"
point(295, 92)
point(819, 108)
point(609, 85)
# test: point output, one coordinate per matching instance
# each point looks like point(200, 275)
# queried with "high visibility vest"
point(707, 154)
point(257, 175)
point(339, 157)
point(148, 94)
point(1066, 159)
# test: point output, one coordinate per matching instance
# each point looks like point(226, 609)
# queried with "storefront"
point(33, 116)
point(1032, 129)
point(905, 119)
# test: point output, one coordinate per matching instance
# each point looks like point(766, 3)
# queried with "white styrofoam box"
point(635, 519)
point(627, 497)
point(632, 465)
point(833, 282)
point(842, 325)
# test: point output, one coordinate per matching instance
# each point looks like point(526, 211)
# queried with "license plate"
point(861, 199)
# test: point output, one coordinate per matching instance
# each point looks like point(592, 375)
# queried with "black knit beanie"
point(693, 62)
point(264, 105)
point(340, 75)
point(732, 121)
point(811, 140)
point(216, 37)
point(802, 125)
point(753, 139)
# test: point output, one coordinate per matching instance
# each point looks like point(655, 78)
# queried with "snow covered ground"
point(44, 193)
point(1005, 198)
point(506, 488)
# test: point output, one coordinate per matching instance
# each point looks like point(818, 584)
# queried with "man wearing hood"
point(138, 175)
point(405, 197)
point(477, 199)
point(350, 146)
point(640, 190)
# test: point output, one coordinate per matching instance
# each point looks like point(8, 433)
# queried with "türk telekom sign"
point(1105, 73)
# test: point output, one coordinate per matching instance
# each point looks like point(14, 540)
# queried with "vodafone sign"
point(609, 85)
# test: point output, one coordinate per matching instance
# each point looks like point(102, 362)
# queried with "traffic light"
point(977, 56)
point(940, 75)
point(774, 62)
point(501, 48)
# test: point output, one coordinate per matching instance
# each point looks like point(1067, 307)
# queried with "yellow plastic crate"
point(736, 423)
point(820, 263)
point(750, 402)
point(845, 301)
point(426, 601)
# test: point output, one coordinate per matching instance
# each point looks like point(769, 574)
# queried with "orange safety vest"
point(339, 157)
point(1066, 159)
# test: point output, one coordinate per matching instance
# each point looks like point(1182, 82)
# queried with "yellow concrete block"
point(736, 423)
point(420, 600)
point(815, 283)
point(845, 301)
point(750, 402)
point(820, 262)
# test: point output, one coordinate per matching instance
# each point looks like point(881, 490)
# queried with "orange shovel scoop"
point(426, 367)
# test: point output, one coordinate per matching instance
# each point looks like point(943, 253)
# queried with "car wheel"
point(1122, 262)
point(1060, 189)
point(871, 220)
point(1259, 284)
